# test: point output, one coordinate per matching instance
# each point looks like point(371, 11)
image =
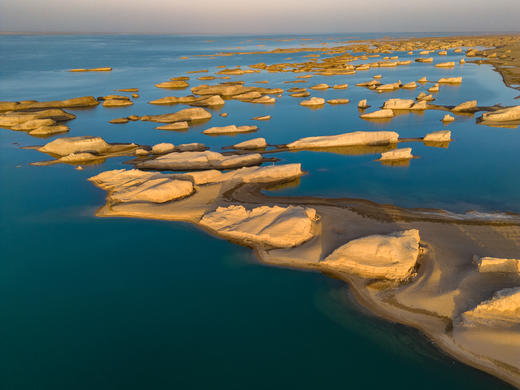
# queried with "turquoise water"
point(120, 303)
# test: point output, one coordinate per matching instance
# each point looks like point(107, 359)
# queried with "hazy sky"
point(259, 16)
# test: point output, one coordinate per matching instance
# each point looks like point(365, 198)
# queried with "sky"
point(259, 16)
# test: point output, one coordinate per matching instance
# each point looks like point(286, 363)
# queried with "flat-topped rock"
point(173, 84)
point(503, 115)
point(338, 101)
point(176, 126)
point(262, 118)
point(85, 101)
point(495, 264)
point(340, 86)
point(449, 64)
point(191, 147)
point(15, 118)
point(465, 106)
point(117, 103)
point(44, 131)
point(397, 154)
point(280, 227)
point(187, 114)
point(162, 148)
point(503, 309)
point(231, 129)
point(379, 114)
point(392, 256)
point(266, 99)
point(67, 145)
point(119, 121)
point(178, 161)
point(450, 80)
point(398, 104)
point(319, 87)
point(357, 138)
point(256, 143)
point(139, 186)
point(313, 101)
point(419, 106)
point(33, 124)
point(168, 100)
point(410, 85)
point(212, 101)
point(260, 174)
point(438, 136)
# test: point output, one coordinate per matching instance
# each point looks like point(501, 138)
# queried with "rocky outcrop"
point(199, 161)
point(392, 256)
point(503, 115)
point(363, 104)
point(67, 145)
point(356, 138)
point(162, 148)
point(503, 309)
point(313, 101)
point(438, 136)
point(450, 80)
point(188, 114)
point(397, 154)
point(338, 101)
point(320, 87)
point(448, 118)
point(176, 126)
point(86, 101)
point(231, 129)
point(398, 104)
point(173, 84)
point(212, 101)
point(466, 106)
point(138, 186)
point(449, 64)
point(380, 114)
point(494, 264)
point(280, 227)
point(256, 143)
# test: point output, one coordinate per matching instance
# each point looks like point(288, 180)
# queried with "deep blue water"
point(120, 303)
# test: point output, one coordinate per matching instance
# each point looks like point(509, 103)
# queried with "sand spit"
point(374, 247)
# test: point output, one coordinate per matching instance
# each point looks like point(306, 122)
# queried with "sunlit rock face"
point(438, 136)
point(398, 104)
point(280, 227)
point(200, 160)
point(255, 143)
point(503, 309)
point(187, 114)
point(67, 145)
point(347, 139)
point(138, 186)
point(391, 256)
point(494, 264)
point(504, 115)
point(397, 154)
point(379, 114)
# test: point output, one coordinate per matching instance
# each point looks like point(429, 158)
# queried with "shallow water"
point(113, 303)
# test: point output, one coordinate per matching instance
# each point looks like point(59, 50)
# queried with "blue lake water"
point(121, 303)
